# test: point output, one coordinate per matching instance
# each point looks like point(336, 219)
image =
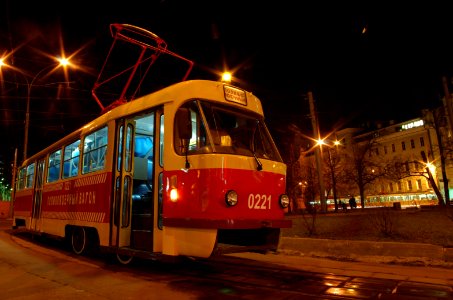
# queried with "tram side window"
point(71, 159)
point(20, 185)
point(198, 141)
point(53, 166)
point(94, 151)
point(161, 141)
point(30, 176)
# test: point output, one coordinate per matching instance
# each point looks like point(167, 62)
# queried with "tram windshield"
point(221, 129)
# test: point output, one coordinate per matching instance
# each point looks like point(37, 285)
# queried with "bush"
point(433, 226)
point(384, 221)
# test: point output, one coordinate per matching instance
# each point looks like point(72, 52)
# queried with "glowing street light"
point(226, 77)
point(62, 62)
point(320, 142)
point(431, 167)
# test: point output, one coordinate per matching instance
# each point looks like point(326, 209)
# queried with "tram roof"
point(178, 92)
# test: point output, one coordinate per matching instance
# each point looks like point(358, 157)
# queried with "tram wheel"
point(124, 259)
point(79, 240)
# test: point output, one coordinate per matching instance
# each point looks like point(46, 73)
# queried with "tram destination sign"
point(234, 94)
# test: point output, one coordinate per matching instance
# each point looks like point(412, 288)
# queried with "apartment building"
point(397, 150)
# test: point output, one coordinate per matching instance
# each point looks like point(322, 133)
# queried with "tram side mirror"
point(184, 127)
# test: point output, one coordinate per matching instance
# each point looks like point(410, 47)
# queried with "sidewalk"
point(368, 269)
point(399, 261)
point(385, 252)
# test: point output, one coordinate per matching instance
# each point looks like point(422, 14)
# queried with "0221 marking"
point(256, 201)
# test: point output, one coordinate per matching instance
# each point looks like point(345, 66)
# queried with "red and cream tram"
point(187, 170)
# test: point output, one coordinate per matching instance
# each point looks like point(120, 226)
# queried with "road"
point(37, 268)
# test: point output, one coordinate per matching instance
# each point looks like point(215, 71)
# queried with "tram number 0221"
point(256, 201)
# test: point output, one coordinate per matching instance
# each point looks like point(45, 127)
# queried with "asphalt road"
point(32, 270)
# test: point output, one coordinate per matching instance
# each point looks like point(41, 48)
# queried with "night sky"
point(364, 61)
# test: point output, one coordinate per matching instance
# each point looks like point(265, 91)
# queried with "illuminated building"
point(401, 172)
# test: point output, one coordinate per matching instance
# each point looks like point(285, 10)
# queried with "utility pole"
point(318, 153)
point(13, 186)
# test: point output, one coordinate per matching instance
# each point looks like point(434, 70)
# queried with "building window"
point(385, 149)
point(391, 187)
point(409, 185)
point(412, 144)
point(382, 188)
point(406, 166)
point(393, 147)
point(403, 145)
point(377, 151)
point(422, 142)
point(399, 186)
point(419, 184)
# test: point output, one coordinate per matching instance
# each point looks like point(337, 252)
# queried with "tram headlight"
point(231, 198)
point(284, 201)
point(173, 195)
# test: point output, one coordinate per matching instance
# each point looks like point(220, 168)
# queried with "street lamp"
point(226, 77)
point(320, 167)
point(62, 62)
point(332, 164)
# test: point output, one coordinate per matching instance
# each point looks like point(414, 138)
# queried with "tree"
point(396, 169)
point(290, 150)
point(361, 168)
point(309, 177)
point(332, 162)
point(436, 118)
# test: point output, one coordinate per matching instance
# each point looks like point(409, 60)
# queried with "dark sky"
point(362, 61)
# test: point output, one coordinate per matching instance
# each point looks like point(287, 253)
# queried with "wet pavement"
point(376, 277)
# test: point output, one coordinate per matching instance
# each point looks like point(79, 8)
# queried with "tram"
point(186, 170)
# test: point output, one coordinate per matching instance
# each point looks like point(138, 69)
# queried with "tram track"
point(230, 276)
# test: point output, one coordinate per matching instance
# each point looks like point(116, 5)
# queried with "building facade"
point(404, 156)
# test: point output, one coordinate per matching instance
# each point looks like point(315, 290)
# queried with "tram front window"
point(229, 131)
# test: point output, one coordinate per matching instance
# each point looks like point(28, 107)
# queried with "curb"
point(348, 248)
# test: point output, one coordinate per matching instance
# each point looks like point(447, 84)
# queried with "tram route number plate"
point(257, 201)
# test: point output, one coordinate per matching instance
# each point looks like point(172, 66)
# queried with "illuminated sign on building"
point(413, 124)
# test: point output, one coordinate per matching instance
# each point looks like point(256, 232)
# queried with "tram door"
point(143, 199)
point(37, 197)
point(123, 183)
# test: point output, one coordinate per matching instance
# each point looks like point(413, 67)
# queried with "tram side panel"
point(84, 201)
point(22, 208)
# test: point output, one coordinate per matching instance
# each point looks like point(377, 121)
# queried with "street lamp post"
point(61, 62)
point(333, 161)
point(334, 181)
point(318, 154)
